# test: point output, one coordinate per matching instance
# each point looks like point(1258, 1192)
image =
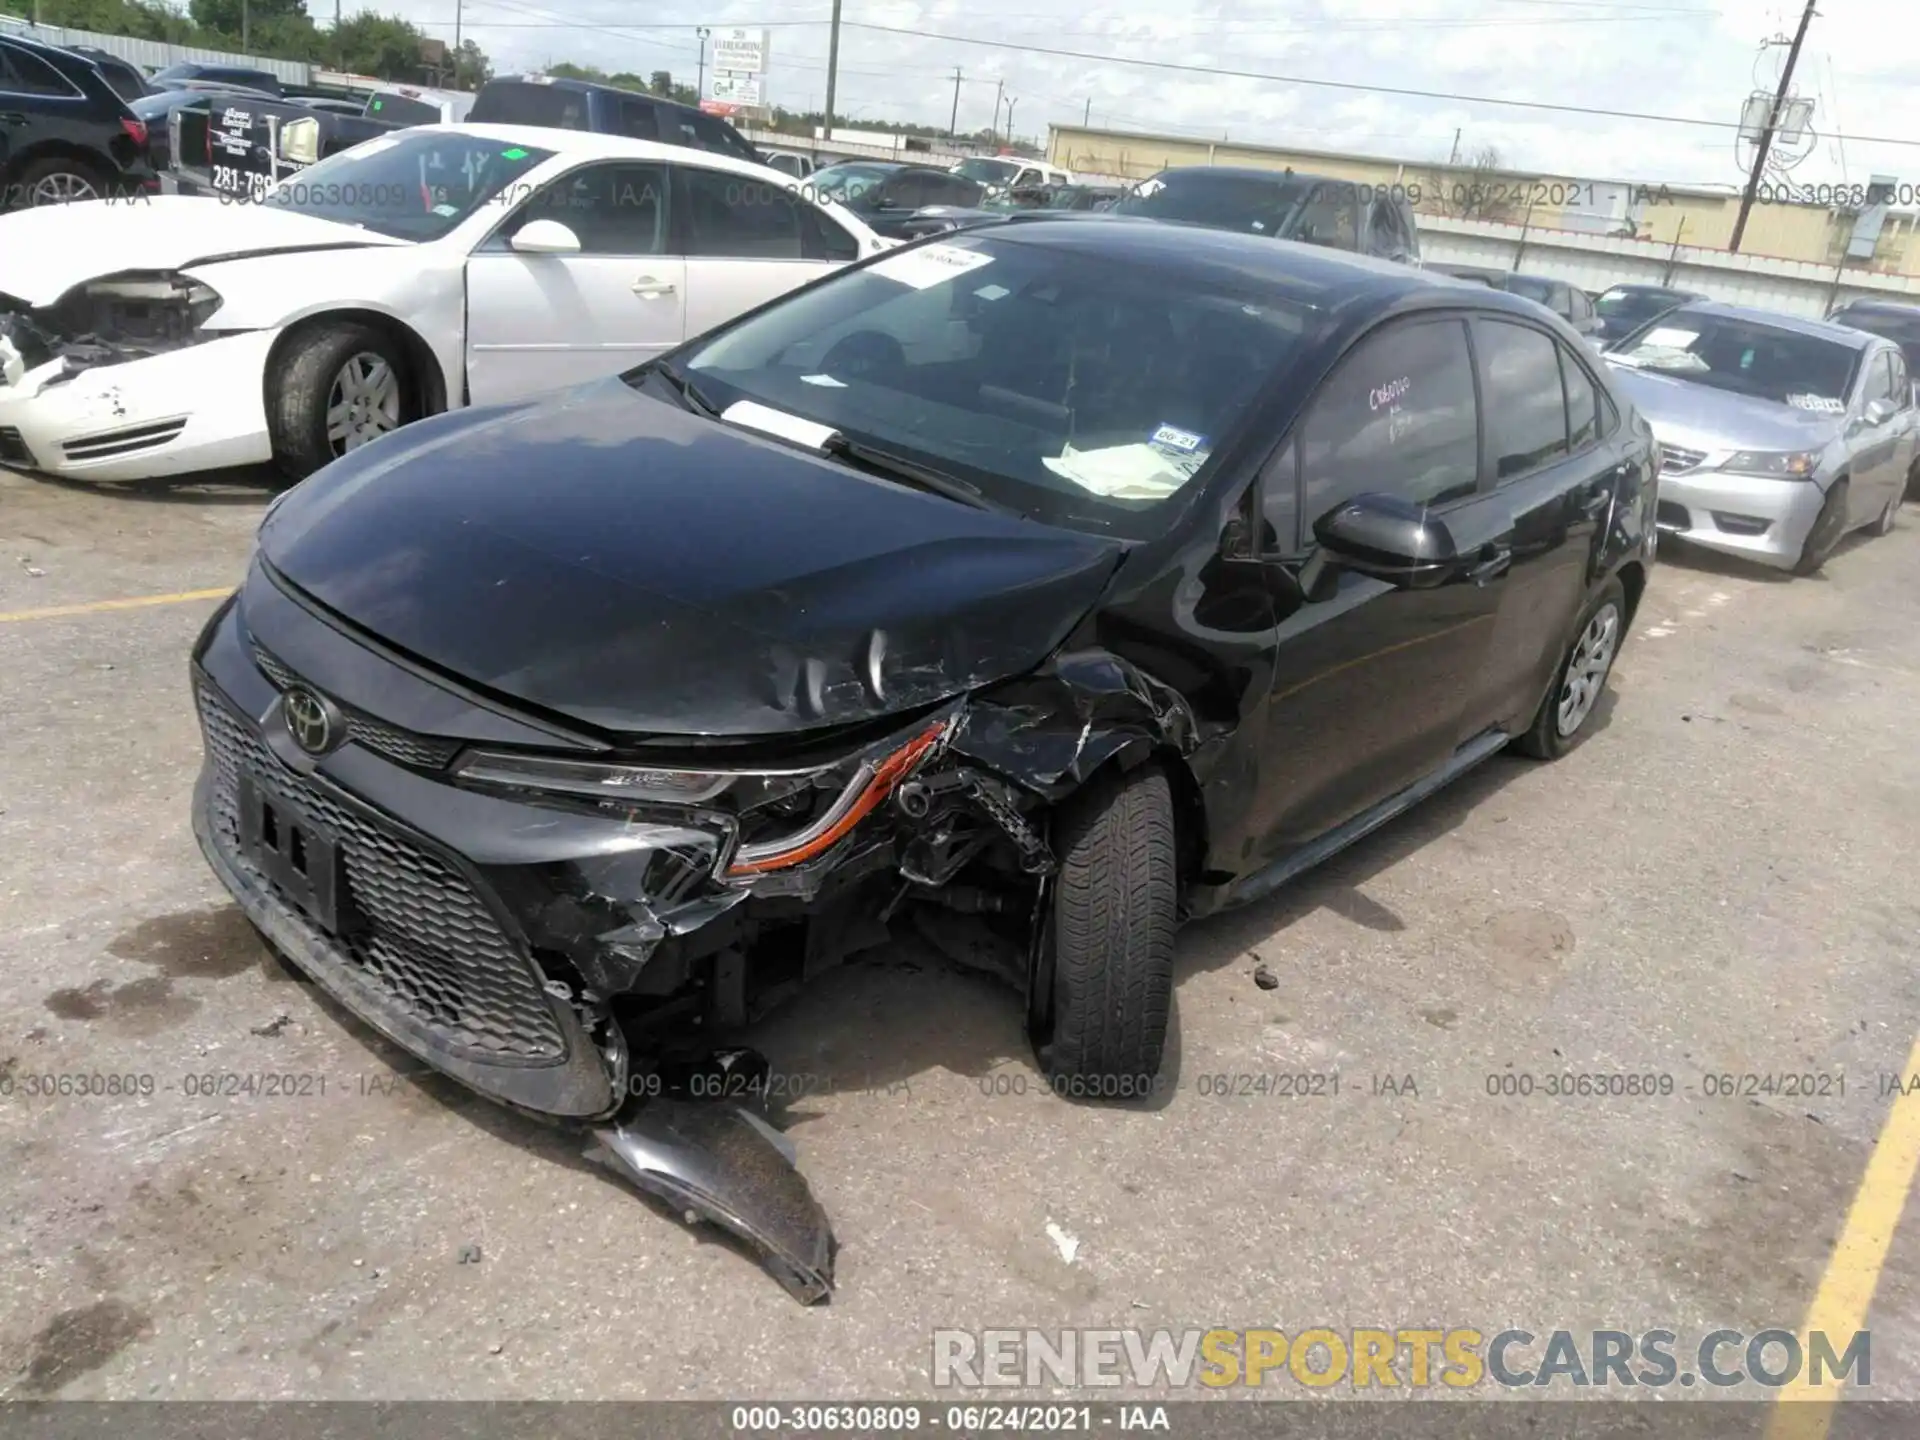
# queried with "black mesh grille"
point(423, 752)
point(13, 449)
point(429, 944)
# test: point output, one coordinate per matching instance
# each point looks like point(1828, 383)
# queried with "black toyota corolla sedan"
point(1076, 575)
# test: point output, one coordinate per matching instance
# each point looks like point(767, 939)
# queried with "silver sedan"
point(1778, 435)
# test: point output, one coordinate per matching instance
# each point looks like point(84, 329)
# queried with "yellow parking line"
point(54, 612)
point(1853, 1270)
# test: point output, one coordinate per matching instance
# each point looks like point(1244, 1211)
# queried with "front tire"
point(337, 387)
point(1828, 526)
point(1111, 945)
point(1561, 721)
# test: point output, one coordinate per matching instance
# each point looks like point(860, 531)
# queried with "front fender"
point(1051, 730)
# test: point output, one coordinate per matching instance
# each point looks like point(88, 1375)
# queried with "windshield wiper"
point(894, 467)
point(688, 392)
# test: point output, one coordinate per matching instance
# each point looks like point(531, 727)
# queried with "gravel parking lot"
point(1721, 881)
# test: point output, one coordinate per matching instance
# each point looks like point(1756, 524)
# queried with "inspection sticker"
point(1824, 404)
point(1670, 338)
point(930, 265)
point(1185, 442)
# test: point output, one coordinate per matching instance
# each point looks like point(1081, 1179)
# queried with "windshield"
point(414, 186)
point(1530, 287)
point(1901, 327)
point(1625, 304)
point(1747, 357)
point(1070, 388)
point(1221, 202)
point(983, 171)
point(847, 183)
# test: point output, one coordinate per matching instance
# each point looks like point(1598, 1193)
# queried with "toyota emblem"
point(309, 721)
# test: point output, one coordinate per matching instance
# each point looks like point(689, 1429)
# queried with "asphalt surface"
point(1721, 880)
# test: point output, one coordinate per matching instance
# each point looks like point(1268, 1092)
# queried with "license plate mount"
point(285, 845)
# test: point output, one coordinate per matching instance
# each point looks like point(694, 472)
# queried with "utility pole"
point(1455, 156)
point(993, 133)
point(459, 7)
point(700, 75)
point(1010, 104)
point(1766, 136)
point(1086, 121)
point(833, 65)
point(954, 120)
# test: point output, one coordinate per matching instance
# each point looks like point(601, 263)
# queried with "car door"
point(37, 103)
point(1876, 446)
point(747, 240)
point(1554, 477)
point(542, 321)
point(1372, 682)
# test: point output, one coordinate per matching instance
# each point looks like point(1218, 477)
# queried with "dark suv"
point(583, 105)
point(1368, 219)
point(64, 133)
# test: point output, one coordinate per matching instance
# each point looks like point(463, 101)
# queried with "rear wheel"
point(58, 180)
point(1828, 526)
point(1110, 947)
point(1582, 678)
point(337, 387)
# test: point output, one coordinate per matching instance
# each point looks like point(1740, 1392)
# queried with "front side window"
point(1520, 388)
point(855, 186)
point(739, 216)
point(1902, 382)
point(1747, 357)
point(520, 102)
point(1067, 386)
point(1583, 413)
point(637, 119)
point(616, 208)
point(415, 185)
point(1879, 385)
point(1329, 217)
point(1395, 418)
point(22, 73)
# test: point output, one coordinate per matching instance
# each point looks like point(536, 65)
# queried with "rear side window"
point(514, 102)
point(1396, 417)
point(403, 110)
point(639, 119)
point(25, 74)
point(733, 215)
point(1520, 388)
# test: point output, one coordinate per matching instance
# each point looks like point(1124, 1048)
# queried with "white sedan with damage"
point(433, 268)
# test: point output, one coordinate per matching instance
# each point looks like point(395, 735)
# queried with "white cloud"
point(1688, 58)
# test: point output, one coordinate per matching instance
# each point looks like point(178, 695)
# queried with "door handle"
point(13, 117)
point(1490, 562)
point(647, 288)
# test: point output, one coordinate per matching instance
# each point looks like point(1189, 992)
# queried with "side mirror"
point(1389, 539)
point(545, 237)
point(1880, 411)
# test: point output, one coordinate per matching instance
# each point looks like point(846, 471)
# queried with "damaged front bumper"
point(82, 397)
point(551, 952)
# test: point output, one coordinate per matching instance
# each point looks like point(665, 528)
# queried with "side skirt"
point(1264, 882)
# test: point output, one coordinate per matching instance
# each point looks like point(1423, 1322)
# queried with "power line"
point(1221, 72)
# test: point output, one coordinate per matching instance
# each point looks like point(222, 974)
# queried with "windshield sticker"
point(826, 380)
point(1390, 393)
point(446, 210)
point(993, 292)
point(1825, 404)
point(1668, 339)
point(1181, 442)
point(769, 421)
point(514, 154)
point(930, 265)
point(1125, 472)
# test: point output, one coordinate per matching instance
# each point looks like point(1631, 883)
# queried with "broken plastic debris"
point(1067, 1245)
point(726, 1165)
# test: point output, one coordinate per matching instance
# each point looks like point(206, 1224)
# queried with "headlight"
point(781, 818)
point(1782, 464)
point(300, 141)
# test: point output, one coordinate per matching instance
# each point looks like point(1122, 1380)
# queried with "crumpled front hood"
point(1685, 412)
point(46, 251)
point(609, 557)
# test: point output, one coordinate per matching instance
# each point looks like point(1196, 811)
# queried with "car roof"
point(591, 143)
point(1645, 290)
point(568, 82)
point(1316, 275)
point(1251, 172)
point(1816, 329)
point(1874, 302)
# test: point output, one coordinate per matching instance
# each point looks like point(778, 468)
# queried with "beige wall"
point(1788, 232)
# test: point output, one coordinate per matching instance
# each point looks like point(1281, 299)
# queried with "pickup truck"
point(238, 146)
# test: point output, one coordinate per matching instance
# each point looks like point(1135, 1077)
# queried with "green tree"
point(471, 68)
point(380, 45)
